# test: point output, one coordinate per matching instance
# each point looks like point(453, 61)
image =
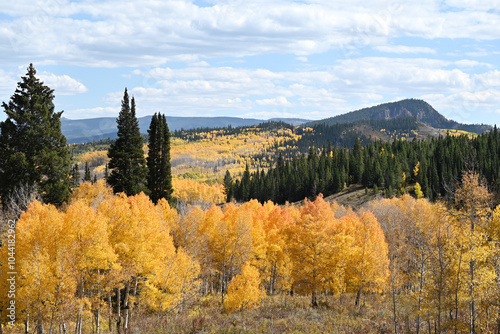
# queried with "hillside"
point(365, 123)
point(87, 130)
point(419, 109)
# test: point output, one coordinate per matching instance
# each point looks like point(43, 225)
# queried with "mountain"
point(87, 130)
point(365, 122)
point(419, 109)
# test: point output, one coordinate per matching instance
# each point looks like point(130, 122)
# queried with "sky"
point(261, 59)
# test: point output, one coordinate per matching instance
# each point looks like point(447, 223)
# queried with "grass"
point(277, 314)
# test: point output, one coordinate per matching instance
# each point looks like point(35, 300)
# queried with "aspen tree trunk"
point(98, 309)
point(421, 288)
point(394, 304)
point(472, 303)
point(98, 320)
point(125, 306)
point(314, 302)
point(472, 271)
point(78, 326)
point(110, 318)
point(27, 324)
point(52, 320)
point(456, 291)
point(358, 297)
point(362, 278)
point(118, 311)
point(39, 326)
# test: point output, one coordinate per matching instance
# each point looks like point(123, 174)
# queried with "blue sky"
point(260, 59)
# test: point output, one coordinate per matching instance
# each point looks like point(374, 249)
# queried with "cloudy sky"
point(256, 58)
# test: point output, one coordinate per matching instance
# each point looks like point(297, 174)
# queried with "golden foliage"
point(192, 192)
point(93, 158)
point(243, 292)
point(211, 153)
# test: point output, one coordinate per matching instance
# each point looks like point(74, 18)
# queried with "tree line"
point(34, 153)
point(434, 164)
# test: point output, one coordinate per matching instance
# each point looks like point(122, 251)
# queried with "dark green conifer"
point(228, 183)
point(127, 162)
point(86, 175)
point(75, 176)
point(33, 150)
point(160, 172)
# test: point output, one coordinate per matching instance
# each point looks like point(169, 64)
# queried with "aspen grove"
point(103, 261)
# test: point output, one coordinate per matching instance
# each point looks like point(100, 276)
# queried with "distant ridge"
point(87, 130)
point(418, 109)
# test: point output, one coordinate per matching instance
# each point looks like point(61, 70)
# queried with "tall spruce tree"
point(158, 161)
point(33, 150)
point(87, 177)
point(127, 162)
point(75, 176)
point(228, 186)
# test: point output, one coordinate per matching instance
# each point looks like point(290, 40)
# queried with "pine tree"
point(33, 150)
point(127, 162)
point(75, 176)
point(158, 161)
point(86, 176)
point(228, 183)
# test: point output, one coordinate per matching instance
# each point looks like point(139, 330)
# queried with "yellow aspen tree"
point(141, 241)
point(259, 215)
point(319, 250)
point(438, 293)
point(230, 245)
point(206, 232)
point(472, 212)
point(94, 259)
point(173, 284)
point(493, 231)
point(368, 266)
point(168, 214)
point(278, 266)
point(398, 228)
point(244, 290)
point(197, 193)
point(45, 276)
point(92, 193)
point(187, 232)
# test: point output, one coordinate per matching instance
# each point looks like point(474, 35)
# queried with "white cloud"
point(467, 63)
point(402, 75)
point(488, 79)
point(92, 113)
point(62, 84)
point(100, 33)
point(399, 49)
point(269, 114)
point(350, 85)
point(279, 101)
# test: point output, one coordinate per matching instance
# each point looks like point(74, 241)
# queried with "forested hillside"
point(418, 109)
point(434, 164)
